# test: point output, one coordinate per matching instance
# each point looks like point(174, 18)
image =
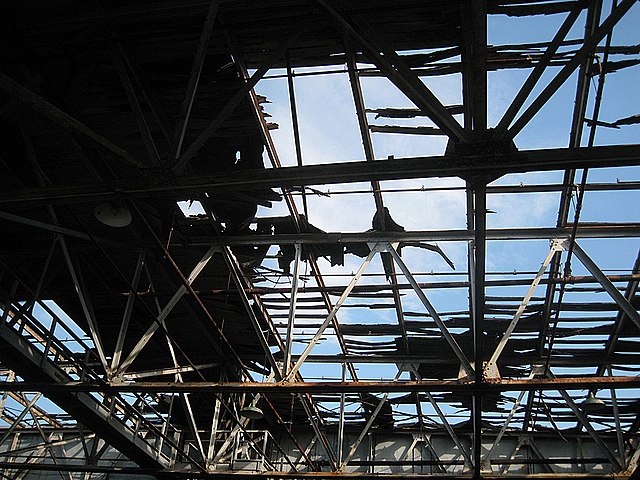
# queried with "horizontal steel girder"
point(565, 383)
point(450, 165)
point(222, 475)
point(584, 231)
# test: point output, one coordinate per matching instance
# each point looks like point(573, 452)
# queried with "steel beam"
point(449, 165)
point(367, 143)
point(292, 309)
point(492, 364)
point(160, 320)
point(466, 365)
point(126, 316)
point(235, 100)
point(296, 127)
point(141, 121)
point(398, 72)
point(345, 294)
point(611, 289)
point(366, 428)
point(582, 418)
point(63, 119)
point(630, 292)
point(535, 75)
point(587, 48)
point(147, 91)
point(474, 53)
point(194, 77)
point(226, 475)
point(85, 303)
point(27, 408)
point(26, 360)
point(612, 230)
point(466, 386)
point(468, 461)
point(55, 228)
point(306, 400)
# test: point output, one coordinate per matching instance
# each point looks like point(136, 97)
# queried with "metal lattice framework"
point(273, 333)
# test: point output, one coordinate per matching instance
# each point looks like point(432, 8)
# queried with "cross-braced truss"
point(460, 303)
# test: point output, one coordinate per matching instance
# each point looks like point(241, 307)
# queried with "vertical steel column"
point(474, 15)
point(212, 436)
point(341, 421)
point(292, 310)
point(296, 127)
point(480, 240)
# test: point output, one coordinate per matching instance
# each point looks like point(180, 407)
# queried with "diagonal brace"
point(564, 74)
point(556, 246)
point(398, 72)
point(466, 365)
point(588, 427)
point(367, 427)
point(610, 288)
point(235, 100)
point(128, 309)
point(375, 249)
point(160, 320)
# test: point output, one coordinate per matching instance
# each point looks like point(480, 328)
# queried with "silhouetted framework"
point(242, 340)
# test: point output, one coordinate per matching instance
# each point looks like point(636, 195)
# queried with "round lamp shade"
point(252, 412)
point(113, 215)
point(592, 404)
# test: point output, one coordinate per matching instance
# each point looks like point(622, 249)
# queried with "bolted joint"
point(484, 152)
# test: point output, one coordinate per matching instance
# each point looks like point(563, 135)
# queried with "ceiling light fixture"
point(592, 404)
point(252, 412)
point(113, 215)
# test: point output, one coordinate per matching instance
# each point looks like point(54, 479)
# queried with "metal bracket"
point(411, 367)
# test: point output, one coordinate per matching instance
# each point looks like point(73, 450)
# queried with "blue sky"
point(329, 133)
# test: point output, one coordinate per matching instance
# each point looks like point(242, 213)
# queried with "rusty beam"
point(470, 387)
